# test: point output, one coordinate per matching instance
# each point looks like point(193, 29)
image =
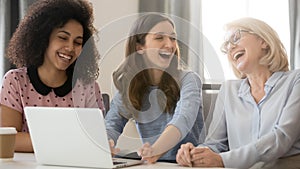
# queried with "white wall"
point(113, 19)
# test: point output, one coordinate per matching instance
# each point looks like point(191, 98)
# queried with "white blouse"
point(244, 132)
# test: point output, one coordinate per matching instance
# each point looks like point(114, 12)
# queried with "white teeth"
point(165, 53)
point(238, 54)
point(64, 56)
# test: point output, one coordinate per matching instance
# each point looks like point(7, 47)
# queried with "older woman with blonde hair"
point(275, 59)
point(256, 118)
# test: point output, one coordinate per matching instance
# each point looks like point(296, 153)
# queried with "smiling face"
point(65, 45)
point(246, 53)
point(160, 45)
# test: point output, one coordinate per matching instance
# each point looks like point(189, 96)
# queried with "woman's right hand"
point(113, 150)
point(183, 156)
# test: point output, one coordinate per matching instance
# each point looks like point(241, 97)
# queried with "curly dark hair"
point(31, 39)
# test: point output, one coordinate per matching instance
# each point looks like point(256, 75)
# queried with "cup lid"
point(8, 130)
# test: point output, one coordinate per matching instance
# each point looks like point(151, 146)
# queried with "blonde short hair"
point(276, 58)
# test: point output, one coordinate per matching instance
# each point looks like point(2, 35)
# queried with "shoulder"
point(16, 74)
point(293, 73)
point(237, 82)
point(189, 79)
point(286, 78)
point(80, 85)
point(232, 85)
point(186, 75)
point(290, 78)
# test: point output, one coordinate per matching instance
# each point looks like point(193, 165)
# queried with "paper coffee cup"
point(7, 142)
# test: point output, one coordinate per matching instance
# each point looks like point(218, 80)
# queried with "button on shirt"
point(246, 132)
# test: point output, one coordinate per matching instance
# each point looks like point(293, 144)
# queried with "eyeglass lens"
point(233, 40)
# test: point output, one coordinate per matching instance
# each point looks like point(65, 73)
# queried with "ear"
point(139, 49)
point(264, 45)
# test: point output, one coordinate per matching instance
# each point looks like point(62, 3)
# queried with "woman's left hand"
point(205, 157)
point(148, 154)
point(113, 150)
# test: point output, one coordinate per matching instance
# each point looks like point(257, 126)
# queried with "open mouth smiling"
point(165, 55)
point(64, 56)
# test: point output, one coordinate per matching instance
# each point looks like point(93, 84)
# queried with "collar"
point(244, 89)
point(43, 89)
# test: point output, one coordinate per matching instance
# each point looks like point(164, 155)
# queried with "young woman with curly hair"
point(53, 68)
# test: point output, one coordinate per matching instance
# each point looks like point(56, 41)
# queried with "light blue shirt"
point(187, 116)
point(246, 132)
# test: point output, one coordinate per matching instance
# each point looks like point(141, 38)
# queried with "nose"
point(169, 43)
point(69, 47)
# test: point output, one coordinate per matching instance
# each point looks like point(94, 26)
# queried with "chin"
point(164, 67)
point(62, 68)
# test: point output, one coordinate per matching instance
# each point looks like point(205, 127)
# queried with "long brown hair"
point(132, 77)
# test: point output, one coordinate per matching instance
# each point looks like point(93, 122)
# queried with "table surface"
point(27, 161)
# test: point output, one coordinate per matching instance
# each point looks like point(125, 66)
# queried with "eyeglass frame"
point(226, 45)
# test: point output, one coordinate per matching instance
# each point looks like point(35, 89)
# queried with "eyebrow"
point(80, 37)
point(163, 33)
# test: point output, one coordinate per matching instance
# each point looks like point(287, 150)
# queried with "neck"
point(257, 84)
point(155, 76)
point(258, 80)
point(52, 78)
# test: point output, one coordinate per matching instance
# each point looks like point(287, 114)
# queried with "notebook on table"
point(71, 137)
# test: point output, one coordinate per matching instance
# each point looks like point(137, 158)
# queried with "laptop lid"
point(70, 137)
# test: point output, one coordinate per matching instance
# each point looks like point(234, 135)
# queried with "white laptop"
point(71, 137)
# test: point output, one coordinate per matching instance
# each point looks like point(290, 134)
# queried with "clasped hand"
point(189, 155)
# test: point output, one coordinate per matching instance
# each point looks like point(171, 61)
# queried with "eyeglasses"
point(234, 39)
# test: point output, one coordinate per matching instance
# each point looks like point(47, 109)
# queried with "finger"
point(199, 162)
point(184, 154)
point(181, 161)
point(116, 150)
point(111, 142)
point(146, 150)
point(139, 152)
point(187, 152)
point(178, 157)
point(111, 146)
point(187, 155)
point(146, 145)
point(198, 150)
point(149, 160)
point(143, 149)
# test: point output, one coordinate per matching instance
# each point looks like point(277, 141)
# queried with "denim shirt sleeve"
point(114, 121)
point(187, 108)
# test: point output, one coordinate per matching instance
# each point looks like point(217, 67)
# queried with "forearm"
point(168, 139)
point(23, 143)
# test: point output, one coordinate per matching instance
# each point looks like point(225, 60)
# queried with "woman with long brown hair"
point(164, 100)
